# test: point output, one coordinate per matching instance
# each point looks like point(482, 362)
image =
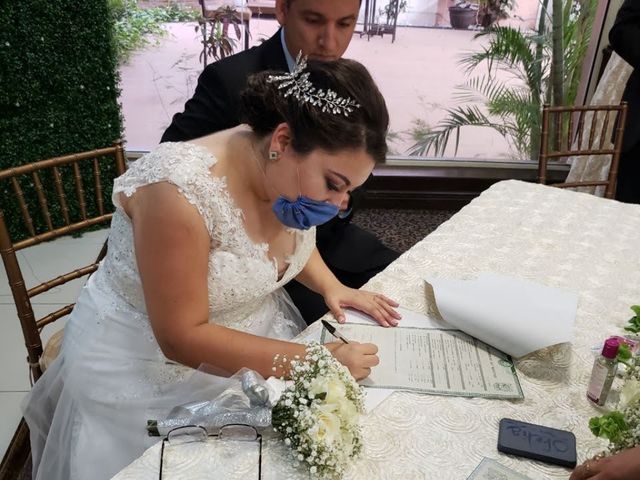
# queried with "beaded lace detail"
point(241, 275)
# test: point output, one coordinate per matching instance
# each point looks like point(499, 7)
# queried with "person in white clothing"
point(204, 236)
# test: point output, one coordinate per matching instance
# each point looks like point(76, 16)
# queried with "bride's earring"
point(273, 155)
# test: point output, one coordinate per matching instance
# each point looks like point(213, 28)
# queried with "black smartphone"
point(546, 444)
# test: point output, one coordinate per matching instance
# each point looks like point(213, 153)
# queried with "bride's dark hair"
point(264, 107)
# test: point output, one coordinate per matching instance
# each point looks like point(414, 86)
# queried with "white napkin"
point(513, 315)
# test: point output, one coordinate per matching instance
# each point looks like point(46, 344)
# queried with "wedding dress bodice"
point(240, 275)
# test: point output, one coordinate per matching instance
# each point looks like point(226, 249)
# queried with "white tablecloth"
point(563, 239)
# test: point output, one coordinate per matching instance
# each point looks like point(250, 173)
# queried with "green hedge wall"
point(58, 88)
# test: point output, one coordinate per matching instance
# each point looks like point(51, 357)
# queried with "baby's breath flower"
point(318, 415)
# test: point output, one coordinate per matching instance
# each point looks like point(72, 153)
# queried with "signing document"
point(432, 359)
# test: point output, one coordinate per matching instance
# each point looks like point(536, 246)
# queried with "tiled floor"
point(38, 263)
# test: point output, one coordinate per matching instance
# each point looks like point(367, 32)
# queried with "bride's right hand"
point(359, 358)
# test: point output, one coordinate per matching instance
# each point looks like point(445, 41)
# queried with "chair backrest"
point(262, 7)
point(208, 7)
point(48, 211)
point(582, 131)
point(213, 8)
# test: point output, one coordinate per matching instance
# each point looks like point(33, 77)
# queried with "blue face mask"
point(304, 212)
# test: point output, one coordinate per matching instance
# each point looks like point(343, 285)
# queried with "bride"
point(204, 236)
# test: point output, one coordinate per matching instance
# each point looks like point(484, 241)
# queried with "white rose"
point(337, 396)
point(327, 425)
point(348, 411)
point(336, 389)
point(319, 385)
point(630, 393)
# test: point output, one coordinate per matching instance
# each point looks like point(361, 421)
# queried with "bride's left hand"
point(376, 305)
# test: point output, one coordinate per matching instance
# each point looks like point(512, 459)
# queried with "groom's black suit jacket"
point(215, 104)
point(353, 254)
point(625, 40)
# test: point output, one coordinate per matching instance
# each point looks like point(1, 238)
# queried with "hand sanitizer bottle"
point(604, 370)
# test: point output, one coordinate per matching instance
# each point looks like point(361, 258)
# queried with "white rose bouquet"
point(318, 415)
point(622, 426)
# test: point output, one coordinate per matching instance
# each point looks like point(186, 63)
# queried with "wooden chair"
point(262, 7)
point(57, 178)
point(371, 27)
point(564, 135)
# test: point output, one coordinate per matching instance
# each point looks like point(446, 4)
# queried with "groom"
point(321, 29)
point(625, 40)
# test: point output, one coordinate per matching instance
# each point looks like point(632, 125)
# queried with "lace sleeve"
point(182, 164)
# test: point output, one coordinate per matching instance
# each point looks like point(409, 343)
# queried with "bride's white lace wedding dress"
point(87, 414)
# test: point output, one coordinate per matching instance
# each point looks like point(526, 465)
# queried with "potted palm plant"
point(463, 14)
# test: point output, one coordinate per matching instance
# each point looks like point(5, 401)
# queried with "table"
point(557, 237)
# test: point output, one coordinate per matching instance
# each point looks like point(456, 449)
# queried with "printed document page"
point(434, 360)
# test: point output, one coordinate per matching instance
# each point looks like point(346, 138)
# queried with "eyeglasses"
point(196, 433)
